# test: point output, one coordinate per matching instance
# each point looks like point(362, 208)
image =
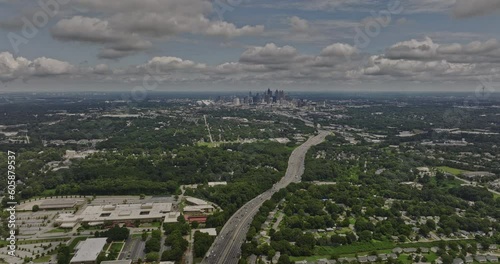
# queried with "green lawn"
point(451, 170)
point(208, 144)
point(430, 257)
point(136, 235)
point(354, 248)
point(116, 246)
point(58, 230)
point(42, 259)
point(37, 241)
point(48, 192)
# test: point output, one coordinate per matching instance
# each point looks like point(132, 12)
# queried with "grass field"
point(451, 170)
point(136, 235)
point(42, 259)
point(58, 230)
point(207, 144)
point(355, 248)
point(430, 257)
point(37, 241)
point(116, 246)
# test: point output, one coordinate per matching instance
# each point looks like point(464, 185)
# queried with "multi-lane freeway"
point(226, 248)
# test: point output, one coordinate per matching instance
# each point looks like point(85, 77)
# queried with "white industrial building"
point(87, 251)
point(119, 213)
point(195, 201)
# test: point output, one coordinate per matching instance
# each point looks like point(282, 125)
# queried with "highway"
point(226, 248)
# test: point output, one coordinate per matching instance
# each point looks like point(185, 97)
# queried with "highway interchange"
point(226, 248)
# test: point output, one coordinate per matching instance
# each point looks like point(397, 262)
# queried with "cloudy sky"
point(337, 45)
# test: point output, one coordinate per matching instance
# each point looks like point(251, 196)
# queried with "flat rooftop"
point(196, 201)
point(122, 212)
point(197, 208)
point(88, 250)
point(60, 203)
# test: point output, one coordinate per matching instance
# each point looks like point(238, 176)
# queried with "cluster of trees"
point(115, 233)
point(202, 242)
point(472, 193)
point(114, 173)
point(147, 159)
point(63, 255)
point(265, 165)
point(175, 240)
point(308, 206)
point(154, 243)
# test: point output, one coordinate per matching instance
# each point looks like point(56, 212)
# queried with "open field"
point(451, 170)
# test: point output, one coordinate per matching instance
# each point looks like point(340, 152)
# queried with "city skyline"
point(198, 45)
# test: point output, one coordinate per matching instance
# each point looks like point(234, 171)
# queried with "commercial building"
point(199, 219)
point(120, 213)
point(58, 204)
point(195, 201)
point(209, 231)
point(198, 210)
point(87, 251)
point(212, 184)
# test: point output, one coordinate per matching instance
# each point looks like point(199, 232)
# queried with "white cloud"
point(298, 24)
point(270, 54)
point(427, 49)
point(94, 30)
point(413, 60)
point(339, 49)
point(12, 68)
point(128, 26)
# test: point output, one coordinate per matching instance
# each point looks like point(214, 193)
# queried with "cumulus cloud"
point(468, 8)
point(165, 64)
point(298, 24)
point(425, 60)
point(101, 69)
point(412, 60)
point(379, 65)
point(128, 26)
point(94, 30)
point(339, 49)
point(427, 49)
point(12, 68)
point(269, 54)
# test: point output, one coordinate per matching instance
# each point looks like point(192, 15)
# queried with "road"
point(226, 248)
point(473, 183)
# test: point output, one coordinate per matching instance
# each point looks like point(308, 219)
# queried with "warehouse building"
point(88, 251)
point(119, 213)
point(59, 204)
point(193, 210)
